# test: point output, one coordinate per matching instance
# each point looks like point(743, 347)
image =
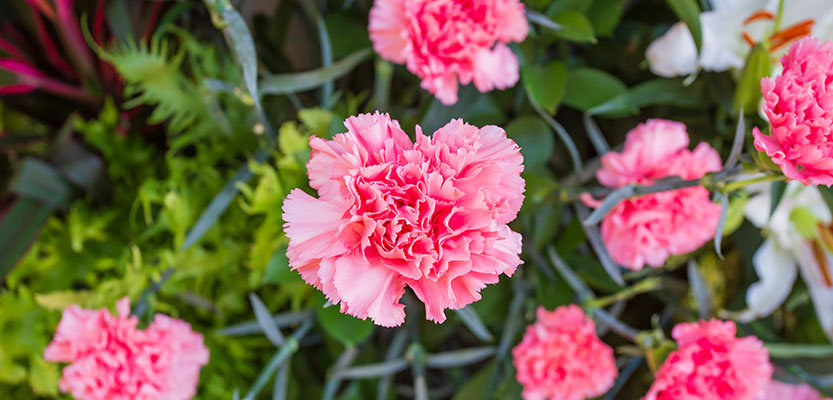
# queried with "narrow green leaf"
point(472, 321)
point(279, 392)
point(220, 202)
point(264, 319)
point(459, 358)
point(611, 201)
point(595, 134)
point(700, 289)
point(300, 81)
point(721, 223)
point(545, 84)
point(657, 91)
point(794, 350)
point(369, 371)
point(237, 32)
point(689, 12)
point(281, 320)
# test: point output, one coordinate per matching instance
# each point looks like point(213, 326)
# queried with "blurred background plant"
point(147, 148)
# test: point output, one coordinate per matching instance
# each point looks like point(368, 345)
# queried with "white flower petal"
point(820, 292)
point(777, 271)
point(674, 53)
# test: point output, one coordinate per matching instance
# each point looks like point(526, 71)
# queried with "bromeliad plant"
point(271, 217)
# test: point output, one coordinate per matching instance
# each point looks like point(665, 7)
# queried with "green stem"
point(643, 286)
point(732, 186)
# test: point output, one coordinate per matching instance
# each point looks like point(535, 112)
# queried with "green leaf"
point(220, 202)
point(480, 385)
point(277, 270)
point(545, 84)
point(794, 350)
point(658, 91)
point(43, 376)
point(472, 106)
point(59, 300)
point(535, 139)
point(777, 188)
point(352, 34)
point(748, 90)
point(300, 81)
point(589, 87)
point(347, 329)
point(605, 15)
point(575, 27)
point(689, 12)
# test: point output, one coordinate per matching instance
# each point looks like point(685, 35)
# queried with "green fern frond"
point(153, 77)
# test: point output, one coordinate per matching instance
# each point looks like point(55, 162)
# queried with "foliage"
point(197, 124)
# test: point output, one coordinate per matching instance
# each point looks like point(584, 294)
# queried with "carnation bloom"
point(449, 41)
point(650, 228)
point(110, 359)
point(785, 391)
point(561, 358)
point(431, 215)
point(711, 363)
point(799, 106)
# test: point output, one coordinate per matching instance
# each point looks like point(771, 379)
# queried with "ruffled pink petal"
point(495, 69)
point(369, 290)
point(313, 227)
point(388, 29)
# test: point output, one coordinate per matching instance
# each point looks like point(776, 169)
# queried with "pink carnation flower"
point(650, 228)
point(799, 106)
point(711, 363)
point(785, 391)
point(449, 41)
point(431, 215)
point(561, 358)
point(110, 359)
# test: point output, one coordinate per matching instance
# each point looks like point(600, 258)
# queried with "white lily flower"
point(798, 237)
point(729, 31)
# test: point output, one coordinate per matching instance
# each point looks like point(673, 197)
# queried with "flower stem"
point(643, 286)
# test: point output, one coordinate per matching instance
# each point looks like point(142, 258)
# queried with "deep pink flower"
point(799, 105)
point(449, 41)
point(711, 363)
point(650, 228)
point(561, 358)
point(785, 391)
point(430, 215)
point(110, 359)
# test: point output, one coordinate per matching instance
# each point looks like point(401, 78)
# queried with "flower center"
point(784, 36)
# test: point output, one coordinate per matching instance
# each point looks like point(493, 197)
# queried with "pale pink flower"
point(561, 358)
point(650, 228)
point(799, 106)
point(110, 359)
point(785, 391)
point(446, 42)
point(711, 363)
point(431, 215)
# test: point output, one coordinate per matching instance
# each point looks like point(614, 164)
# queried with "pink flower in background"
point(799, 106)
point(711, 363)
point(431, 215)
point(650, 228)
point(561, 358)
point(785, 391)
point(110, 359)
point(446, 42)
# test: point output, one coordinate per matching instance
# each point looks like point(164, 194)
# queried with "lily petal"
point(776, 269)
